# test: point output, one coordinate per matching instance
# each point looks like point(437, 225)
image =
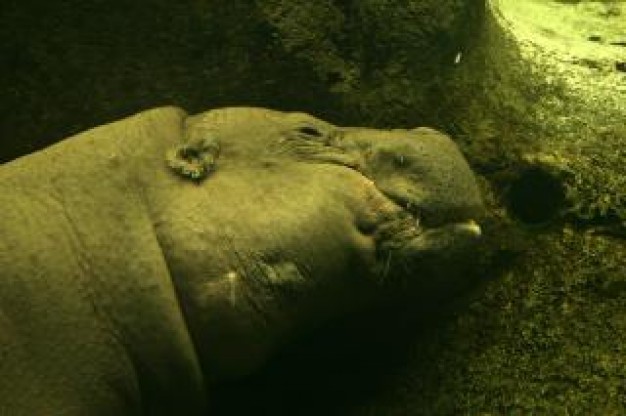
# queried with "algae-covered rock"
point(385, 59)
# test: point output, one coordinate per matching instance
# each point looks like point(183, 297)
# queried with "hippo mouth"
point(409, 239)
point(408, 227)
point(422, 220)
point(412, 230)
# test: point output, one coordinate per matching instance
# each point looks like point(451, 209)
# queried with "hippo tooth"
point(473, 227)
point(231, 276)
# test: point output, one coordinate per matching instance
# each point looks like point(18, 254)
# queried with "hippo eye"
point(310, 131)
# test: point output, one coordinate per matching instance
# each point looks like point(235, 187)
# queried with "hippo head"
point(301, 221)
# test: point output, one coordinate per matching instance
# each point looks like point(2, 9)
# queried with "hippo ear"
point(194, 159)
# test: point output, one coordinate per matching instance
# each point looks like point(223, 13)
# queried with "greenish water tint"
point(534, 94)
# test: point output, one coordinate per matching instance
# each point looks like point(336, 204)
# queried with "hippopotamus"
point(144, 260)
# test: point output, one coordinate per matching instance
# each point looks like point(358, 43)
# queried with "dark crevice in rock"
point(535, 197)
point(532, 194)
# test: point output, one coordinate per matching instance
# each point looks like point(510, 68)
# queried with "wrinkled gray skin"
point(127, 287)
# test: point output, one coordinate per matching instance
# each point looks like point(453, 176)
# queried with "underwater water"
point(534, 94)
